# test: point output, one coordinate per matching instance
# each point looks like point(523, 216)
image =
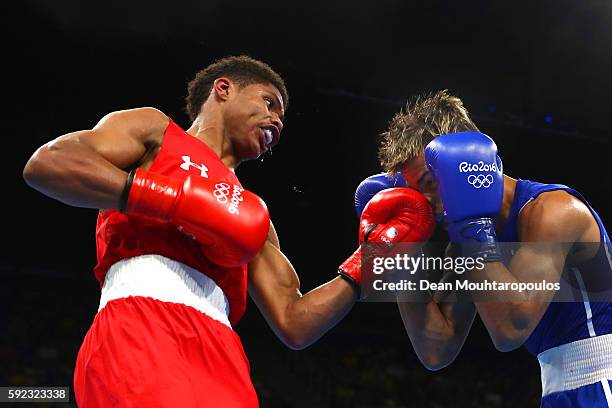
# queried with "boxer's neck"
point(506, 206)
point(212, 132)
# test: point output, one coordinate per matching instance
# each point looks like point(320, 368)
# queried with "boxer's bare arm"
point(437, 331)
point(85, 168)
point(298, 320)
point(556, 218)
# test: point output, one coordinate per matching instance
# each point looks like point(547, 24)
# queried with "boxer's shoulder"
point(146, 124)
point(554, 216)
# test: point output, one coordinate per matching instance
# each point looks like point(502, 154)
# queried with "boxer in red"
point(179, 240)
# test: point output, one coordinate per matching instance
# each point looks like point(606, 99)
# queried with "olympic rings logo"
point(480, 180)
point(221, 192)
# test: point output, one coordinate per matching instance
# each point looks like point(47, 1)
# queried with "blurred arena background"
point(535, 76)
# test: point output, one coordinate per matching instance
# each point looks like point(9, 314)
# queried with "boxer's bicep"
point(273, 284)
point(269, 271)
point(535, 263)
point(547, 229)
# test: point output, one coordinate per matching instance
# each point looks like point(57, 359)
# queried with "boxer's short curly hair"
point(423, 119)
point(241, 69)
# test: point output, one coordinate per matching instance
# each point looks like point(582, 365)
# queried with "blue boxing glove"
point(369, 187)
point(471, 185)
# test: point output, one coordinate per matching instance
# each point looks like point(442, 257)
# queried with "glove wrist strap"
point(476, 238)
point(126, 191)
point(351, 281)
point(350, 271)
point(151, 195)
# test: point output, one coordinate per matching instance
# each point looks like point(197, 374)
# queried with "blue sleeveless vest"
point(565, 322)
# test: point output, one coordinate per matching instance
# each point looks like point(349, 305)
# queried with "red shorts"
point(144, 352)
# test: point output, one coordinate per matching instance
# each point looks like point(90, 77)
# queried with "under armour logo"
point(188, 163)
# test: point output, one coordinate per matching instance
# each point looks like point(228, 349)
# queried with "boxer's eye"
point(427, 183)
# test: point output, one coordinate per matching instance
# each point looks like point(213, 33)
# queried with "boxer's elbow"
point(294, 341)
point(29, 173)
point(437, 356)
point(298, 328)
point(58, 157)
point(507, 343)
point(297, 335)
point(509, 338)
point(57, 170)
point(434, 362)
point(509, 327)
point(36, 169)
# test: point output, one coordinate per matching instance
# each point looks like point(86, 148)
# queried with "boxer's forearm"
point(312, 315)
point(509, 315)
point(498, 272)
point(298, 320)
point(75, 174)
point(437, 331)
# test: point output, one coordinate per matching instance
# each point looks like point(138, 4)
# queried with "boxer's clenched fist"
point(231, 223)
point(393, 215)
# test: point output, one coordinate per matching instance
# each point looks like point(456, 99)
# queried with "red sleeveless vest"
point(119, 237)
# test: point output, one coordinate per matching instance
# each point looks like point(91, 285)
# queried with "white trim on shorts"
point(165, 280)
point(576, 364)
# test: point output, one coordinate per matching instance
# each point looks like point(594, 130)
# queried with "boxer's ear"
point(222, 87)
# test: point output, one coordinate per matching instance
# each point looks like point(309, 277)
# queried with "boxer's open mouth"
point(268, 136)
point(272, 134)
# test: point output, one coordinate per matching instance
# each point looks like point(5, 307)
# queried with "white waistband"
point(166, 280)
point(576, 364)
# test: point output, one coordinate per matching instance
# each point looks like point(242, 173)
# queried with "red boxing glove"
point(231, 223)
point(393, 215)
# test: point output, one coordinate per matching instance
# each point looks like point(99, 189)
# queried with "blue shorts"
point(592, 396)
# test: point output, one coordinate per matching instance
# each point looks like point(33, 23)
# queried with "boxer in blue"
point(440, 152)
